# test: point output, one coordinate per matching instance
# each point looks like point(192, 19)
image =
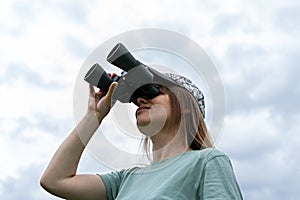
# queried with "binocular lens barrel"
point(98, 77)
point(122, 58)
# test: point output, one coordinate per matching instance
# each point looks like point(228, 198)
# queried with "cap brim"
point(162, 79)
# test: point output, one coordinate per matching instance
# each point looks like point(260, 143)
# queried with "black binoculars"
point(135, 81)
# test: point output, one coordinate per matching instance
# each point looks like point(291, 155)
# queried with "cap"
point(191, 87)
point(170, 79)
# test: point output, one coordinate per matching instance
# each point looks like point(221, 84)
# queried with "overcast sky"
point(255, 48)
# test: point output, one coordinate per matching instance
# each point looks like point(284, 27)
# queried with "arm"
point(60, 176)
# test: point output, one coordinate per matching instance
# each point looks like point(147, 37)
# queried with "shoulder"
point(215, 165)
point(218, 178)
point(209, 154)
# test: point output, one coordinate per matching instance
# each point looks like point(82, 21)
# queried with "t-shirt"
point(202, 174)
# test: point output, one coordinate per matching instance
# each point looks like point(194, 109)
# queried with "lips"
point(141, 108)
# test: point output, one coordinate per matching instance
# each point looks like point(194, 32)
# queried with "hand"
point(100, 102)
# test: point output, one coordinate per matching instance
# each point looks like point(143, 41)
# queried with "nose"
point(141, 100)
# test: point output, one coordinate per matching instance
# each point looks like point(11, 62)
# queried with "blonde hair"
point(187, 118)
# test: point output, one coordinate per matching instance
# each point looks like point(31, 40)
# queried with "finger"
point(99, 95)
point(92, 89)
point(101, 91)
point(111, 89)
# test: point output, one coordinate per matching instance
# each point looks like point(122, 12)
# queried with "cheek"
point(158, 112)
point(162, 107)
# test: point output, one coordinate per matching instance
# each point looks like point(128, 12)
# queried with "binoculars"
point(135, 81)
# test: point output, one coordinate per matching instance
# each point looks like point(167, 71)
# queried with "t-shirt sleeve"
point(219, 180)
point(112, 183)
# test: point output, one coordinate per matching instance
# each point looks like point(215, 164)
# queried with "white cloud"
point(262, 149)
point(25, 186)
point(29, 140)
point(18, 100)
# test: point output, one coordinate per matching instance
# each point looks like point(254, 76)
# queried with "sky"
point(253, 44)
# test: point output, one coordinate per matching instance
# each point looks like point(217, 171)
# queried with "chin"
point(142, 124)
point(142, 121)
point(150, 128)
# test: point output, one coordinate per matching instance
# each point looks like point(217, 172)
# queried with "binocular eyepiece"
point(135, 81)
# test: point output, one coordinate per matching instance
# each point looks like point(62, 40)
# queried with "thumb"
point(92, 90)
point(111, 90)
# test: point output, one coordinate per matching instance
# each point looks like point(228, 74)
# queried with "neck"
point(168, 145)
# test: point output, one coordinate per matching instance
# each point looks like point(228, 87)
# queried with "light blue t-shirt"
point(202, 174)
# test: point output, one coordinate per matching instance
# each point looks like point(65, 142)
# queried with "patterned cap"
point(191, 87)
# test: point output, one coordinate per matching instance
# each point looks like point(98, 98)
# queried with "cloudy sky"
point(255, 48)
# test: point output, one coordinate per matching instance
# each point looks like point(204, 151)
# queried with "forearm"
point(65, 161)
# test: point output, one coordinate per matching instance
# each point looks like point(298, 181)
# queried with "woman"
point(184, 163)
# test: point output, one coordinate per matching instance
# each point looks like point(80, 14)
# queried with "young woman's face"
point(152, 114)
